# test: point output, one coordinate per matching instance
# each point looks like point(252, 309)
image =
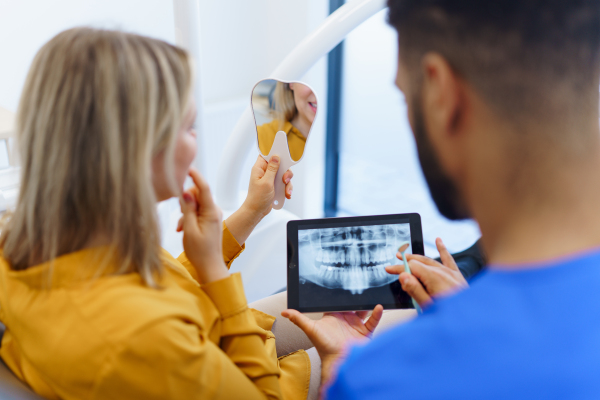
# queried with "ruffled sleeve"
point(231, 251)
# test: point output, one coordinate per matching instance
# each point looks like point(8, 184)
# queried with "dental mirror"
point(284, 113)
point(402, 249)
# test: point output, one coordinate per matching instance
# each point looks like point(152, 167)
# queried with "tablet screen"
point(343, 267)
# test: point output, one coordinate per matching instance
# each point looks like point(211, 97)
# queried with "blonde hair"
point(284, 104)
point(96, 108)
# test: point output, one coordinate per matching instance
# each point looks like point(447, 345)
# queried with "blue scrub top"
point(533, 333)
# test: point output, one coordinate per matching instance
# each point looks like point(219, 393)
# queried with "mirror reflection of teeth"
point(354, 258)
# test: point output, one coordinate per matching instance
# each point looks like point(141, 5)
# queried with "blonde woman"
point(93, 307)
point(294, 108)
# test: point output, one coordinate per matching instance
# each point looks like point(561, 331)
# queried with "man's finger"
point(445, 256)
point(423, 259)
point(423, 272)
point(374, 319)
point(413, 287)
point(395, 269)
point(299, 319)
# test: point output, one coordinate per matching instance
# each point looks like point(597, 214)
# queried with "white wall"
point(379, 166)
point(241, 42)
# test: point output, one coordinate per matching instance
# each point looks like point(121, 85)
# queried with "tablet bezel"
point(293, 279)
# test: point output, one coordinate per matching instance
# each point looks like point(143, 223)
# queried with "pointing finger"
point(203, 195)
point(445, 256)
point(395, 269)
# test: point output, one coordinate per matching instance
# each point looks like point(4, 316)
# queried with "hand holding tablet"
point(331, 334)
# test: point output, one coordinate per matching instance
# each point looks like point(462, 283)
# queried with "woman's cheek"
point(191, 148)
point(185, 152)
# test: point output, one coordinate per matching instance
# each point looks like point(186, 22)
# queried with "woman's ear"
point(291, 86)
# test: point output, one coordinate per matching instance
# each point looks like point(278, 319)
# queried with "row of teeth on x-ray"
point(354, 258)
point(356, 279)
point(342, 255)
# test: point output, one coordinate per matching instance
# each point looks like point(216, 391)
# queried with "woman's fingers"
point(180, 224)
point(300, 320)
point(271, 170)
point(259, 168)
point(445, 256)
point(412, 286)
point(189, 208)
point(287, 177)
point(374, 319)
point(203, 195)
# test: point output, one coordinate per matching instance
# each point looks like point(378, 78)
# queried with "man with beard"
point(503, 102)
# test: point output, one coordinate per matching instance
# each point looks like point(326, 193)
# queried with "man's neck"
point(556, 212)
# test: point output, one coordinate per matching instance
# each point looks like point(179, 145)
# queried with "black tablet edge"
point(293, 301)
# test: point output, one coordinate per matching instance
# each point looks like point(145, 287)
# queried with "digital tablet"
point(338, 264)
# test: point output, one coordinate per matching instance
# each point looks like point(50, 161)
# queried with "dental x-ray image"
point(350, 260)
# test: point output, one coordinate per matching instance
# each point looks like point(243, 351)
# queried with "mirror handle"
point(280, 148)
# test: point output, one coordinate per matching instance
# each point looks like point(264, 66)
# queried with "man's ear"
point(443, 107)
point(441, 95)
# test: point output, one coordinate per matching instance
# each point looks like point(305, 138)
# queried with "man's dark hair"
point(527, 58)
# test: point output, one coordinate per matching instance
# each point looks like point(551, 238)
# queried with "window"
point(378, 170)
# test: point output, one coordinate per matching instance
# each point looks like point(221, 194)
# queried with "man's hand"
point(332, 333)
point(429, 278)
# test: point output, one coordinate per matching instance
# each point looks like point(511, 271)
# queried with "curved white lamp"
point(263, 262)
point(243, 137)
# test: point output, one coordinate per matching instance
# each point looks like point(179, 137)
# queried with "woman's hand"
point(261, 189)
point(429, 278)
point(202, 231)
point(261, 192)
point(332, 333)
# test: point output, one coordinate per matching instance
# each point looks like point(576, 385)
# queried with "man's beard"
point(442, 189)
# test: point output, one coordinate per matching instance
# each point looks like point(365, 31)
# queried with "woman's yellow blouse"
point(73, 336)
point(266, 137)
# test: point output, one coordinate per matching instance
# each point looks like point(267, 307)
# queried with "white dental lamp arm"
point(243, 137)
